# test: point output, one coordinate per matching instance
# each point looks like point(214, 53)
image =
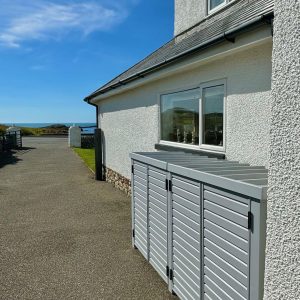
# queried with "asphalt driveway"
point(62, 234)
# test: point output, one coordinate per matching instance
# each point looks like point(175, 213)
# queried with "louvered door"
point(226, 245)
point(196, 236)
point(158, 221)
point(140, 207)
point(186, 238)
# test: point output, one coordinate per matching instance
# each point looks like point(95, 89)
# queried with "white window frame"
point(200, 146)
point(220, 6)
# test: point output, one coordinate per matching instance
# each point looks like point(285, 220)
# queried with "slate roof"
point(238, 13)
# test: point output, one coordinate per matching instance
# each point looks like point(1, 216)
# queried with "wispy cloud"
point(37, 67)
point(42, 20)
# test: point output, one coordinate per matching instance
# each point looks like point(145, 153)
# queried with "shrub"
point(2, 129)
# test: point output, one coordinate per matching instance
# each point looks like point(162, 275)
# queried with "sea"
point(91, 126)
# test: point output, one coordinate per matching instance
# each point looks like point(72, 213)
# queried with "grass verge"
point(88, 156)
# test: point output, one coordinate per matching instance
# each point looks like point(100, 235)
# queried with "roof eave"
point(228, 35)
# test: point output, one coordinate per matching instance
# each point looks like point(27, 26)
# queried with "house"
point(223, 54)
point(210, 90)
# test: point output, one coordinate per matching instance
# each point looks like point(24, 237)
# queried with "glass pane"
point(180, 117)
point(213, 109)
point(215, 3)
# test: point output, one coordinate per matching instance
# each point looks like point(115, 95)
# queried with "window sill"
point(200, 152)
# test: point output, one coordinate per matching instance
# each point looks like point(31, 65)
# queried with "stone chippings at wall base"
point(120, 182)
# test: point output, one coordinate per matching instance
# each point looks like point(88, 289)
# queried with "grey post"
point(98, 155)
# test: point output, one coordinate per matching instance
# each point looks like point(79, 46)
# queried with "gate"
point(10, 140)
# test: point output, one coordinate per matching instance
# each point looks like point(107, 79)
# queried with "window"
point(212, 115)
point(180, 117)
point(194, 118)
point(215, 4)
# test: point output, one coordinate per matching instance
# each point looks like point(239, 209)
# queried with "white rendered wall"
point(188, 13)
point(282, 275)
point(130, 120)
point(129, 123)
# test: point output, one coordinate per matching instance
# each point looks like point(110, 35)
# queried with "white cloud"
point(43, 20)
point(37, 67)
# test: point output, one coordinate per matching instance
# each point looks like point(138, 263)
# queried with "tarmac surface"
point(64, 235)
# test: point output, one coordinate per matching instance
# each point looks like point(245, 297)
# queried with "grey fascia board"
point(240, 187)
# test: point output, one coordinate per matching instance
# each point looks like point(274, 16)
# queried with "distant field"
point(88, 156)
point(51, 130)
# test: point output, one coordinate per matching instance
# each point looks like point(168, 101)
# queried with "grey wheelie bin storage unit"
point(200, 222)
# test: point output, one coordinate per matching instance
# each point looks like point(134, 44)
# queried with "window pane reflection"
point(180, 117)
point(213, 110)
point(215, 3)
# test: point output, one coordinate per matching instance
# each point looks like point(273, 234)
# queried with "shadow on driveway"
point(10, 157)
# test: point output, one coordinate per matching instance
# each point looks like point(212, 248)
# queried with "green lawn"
point(88, 156)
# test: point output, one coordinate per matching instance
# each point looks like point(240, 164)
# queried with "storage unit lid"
point(244, 179)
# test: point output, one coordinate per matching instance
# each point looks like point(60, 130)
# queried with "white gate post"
point(75, 136)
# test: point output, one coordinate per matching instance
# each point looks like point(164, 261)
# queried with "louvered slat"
point(186, 237)
point(226, 246)
point(158, 245)
point(140, 202)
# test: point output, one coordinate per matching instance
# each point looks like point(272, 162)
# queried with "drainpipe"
point(97, 110)
point(99, 172)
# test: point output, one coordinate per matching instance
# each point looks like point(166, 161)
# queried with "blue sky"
point(54, 53)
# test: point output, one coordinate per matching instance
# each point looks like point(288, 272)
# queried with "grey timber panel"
point(186, 257)
point(158, 222)
point(226, 245)
point(140, 207)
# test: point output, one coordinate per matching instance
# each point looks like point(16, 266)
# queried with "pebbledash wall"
point(194, 9)
point(282, 272)
point(130, 120)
